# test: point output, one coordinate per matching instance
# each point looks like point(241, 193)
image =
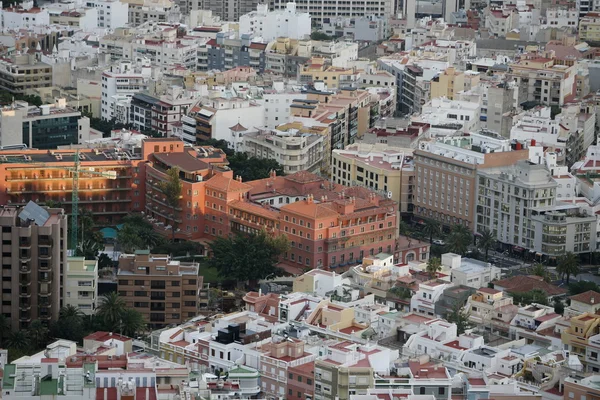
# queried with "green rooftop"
point(91, 369)
point(48, 386)
point(142, 252)
point(8, 380)
point(242, 370)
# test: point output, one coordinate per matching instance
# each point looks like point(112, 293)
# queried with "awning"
point(518, 248)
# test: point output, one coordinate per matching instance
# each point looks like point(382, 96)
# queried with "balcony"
point(25, 292)
point(24, 307)
point(25, 317)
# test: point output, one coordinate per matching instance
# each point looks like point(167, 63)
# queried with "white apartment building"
point(538, 125)
point(470, 272)
point(112, 14)
point(440, 111)
point(294, 150)
point(161, 11)
point(25, 16)
point(81, 287)
point(423, 301)
point(84, 18)
point(124, 79)
point(271, 25)
point(557, 17)
point(564, 227)
point(319, 11)
point(276, 102)
point(506, 198)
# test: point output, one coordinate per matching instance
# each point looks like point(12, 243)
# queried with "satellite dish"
point(388, 195)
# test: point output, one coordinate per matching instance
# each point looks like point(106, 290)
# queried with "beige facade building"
point(23, 72)
point(34, 255)
point(589, 27)
point(378, 167)
point(543, 80)
point(165, 291)
point(446, 172)
point(448, 84)
point(295, 149)
point(81, 287)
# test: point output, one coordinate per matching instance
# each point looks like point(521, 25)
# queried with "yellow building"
point(589, 27)
point(81, 284)
point(315, 69)
point(582, 338)
point(448, 84)
point(378, 167)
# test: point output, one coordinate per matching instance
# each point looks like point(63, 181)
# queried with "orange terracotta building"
point(328, 225)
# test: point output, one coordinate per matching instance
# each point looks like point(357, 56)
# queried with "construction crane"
point(76, 170)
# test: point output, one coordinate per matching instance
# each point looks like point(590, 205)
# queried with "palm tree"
point(38, 334)
point(111, 310)
point(70, 311)
point(539, 269)
point(132, 322)
point(456, 243)
point(568, 264)
point(433, 266)
point(18, 341)
point(150, 238)
point(431, 228)
point(486, 241)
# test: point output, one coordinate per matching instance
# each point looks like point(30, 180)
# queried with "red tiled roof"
point(102, 336)
point(522, 284)
point(589, 297)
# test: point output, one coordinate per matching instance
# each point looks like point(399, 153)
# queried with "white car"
point(438, 242)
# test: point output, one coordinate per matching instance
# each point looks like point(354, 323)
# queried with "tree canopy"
point(431, 228)
point(114, 315)
point(171, 188)
point(253, 168)
point(486, 241)
point(582, 286)
point(137, 233)
point(534, 296)
point(459, 239)
point(460, 317)
point(434, 265)
point(568, 264)
point(247, 257)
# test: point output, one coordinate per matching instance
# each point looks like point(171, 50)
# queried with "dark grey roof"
point(503, 44)
point(33, 212)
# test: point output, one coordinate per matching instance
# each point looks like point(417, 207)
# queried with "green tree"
point(459, 239)
point(70, 324)
point(431, 228)
point(184, 248)
point(38, 334)
point(253, 168)
point(91, 241)
point(582, 286)
point(247, 257)
point(320, 36)
point(132, 322)
point(18, 341)
point(110, 311)
point(460, 317)
point(400, 292)
point(433, 266)
point(540, 269)
point(104, 261)
point(171, 188)
point(537, 296)
point(486, 241)
point(559, 307)
point(568, 264)
point(4, 328)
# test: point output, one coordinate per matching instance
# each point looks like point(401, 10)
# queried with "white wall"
point(226, 118)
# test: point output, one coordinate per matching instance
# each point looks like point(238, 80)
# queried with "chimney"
point(592, 300)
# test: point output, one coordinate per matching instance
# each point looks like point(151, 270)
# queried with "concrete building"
point(369, 28)
point(293, 149)
point(500, 99)
point(442, 111)
point(112, 14)
point(589, 27)
point(563, 228)
point(35, 258)
point(542, 80)
point(321, 12)
point(84, 18)
point(506, 199)
point(446, 175)
point(44, 127)
point(470, 272)
point(270, 25)
point(122, 80)
point(277, 101)
point(225, 52)
point(378, 167)
point(581, 338)
point(165, 291)
point(81, 287)
point(24, 16)
point(576, 387)
point(561, 17)
point(19, 73)
point(161, 11)
point(491, 307)
point(586, 302)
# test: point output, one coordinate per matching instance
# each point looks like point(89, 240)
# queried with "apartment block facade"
point(165, 291)
point(34, 261)
point(329, 9)
point(506, 198)
point(81, 287)
point(446, 179)
point(22, 72)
